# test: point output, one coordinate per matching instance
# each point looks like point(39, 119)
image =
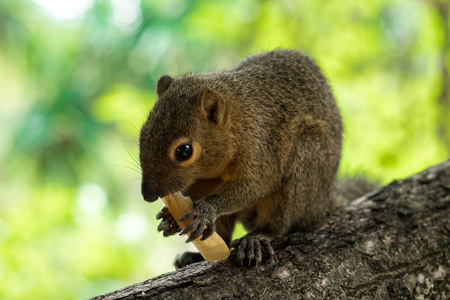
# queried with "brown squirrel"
point(259, 143)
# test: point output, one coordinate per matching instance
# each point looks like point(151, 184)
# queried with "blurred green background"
point(77, 79)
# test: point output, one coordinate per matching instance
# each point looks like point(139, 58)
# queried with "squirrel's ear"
point(212, 105)
point(163, 84)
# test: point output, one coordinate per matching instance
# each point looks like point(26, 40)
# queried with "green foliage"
point(75, 89)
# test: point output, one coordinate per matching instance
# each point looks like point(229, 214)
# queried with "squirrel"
point(259, 143)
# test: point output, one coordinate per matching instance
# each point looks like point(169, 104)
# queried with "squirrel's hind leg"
point(264, 222)
point(187, 258)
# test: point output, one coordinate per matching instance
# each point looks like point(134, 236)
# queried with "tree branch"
point(391, 244)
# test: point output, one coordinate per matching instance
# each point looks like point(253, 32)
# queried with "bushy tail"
point(348, 189)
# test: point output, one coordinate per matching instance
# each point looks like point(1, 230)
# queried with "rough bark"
point(390, 244)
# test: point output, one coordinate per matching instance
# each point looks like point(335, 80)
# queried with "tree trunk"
point(390, 244)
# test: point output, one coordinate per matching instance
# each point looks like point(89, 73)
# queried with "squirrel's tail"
point(348, 189)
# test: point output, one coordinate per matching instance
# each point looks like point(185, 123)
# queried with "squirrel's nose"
point(149, 193)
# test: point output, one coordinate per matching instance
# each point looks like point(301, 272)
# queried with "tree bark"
point(391, 244)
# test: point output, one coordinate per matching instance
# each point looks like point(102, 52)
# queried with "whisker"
point(133, 155)
point(133, 179)
point(128, 167)
point(177, 186)
point(134, 164)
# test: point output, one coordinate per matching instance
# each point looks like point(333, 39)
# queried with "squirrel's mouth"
point(202, 187)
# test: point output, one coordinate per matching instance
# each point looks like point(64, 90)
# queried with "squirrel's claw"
point(202, 222)
point(208, 231)
point(168, 224)
point(251, 248)
point(173, 229)
point(268, 247)
point(163, 214)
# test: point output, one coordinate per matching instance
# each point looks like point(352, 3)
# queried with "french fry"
point(213, 248)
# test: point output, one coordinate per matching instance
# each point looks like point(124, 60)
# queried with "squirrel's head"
point(185, 138)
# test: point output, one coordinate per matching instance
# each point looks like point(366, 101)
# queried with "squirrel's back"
point(274, 92)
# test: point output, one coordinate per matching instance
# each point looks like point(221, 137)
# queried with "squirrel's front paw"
point(251, 247)
point(203, 217)
point(168, 224)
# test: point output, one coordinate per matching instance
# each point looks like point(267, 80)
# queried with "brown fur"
point(270, 134)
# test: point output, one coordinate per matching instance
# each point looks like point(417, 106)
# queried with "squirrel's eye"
point(183, 152)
